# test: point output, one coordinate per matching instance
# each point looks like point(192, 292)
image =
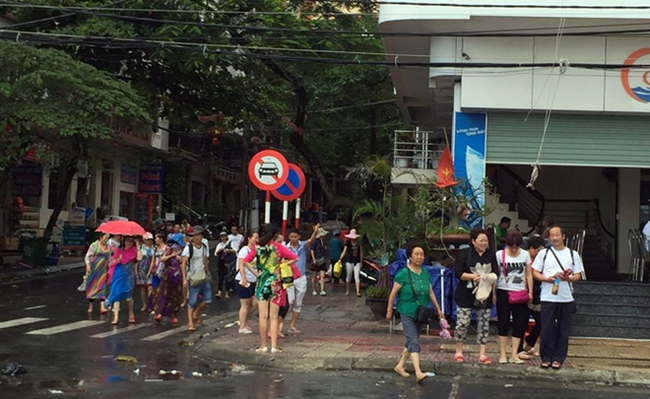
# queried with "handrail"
point(521, 183)
point(600, 219)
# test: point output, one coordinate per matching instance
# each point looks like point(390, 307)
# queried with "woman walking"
point(123, 281)
point(474, 267)
point(319, 262)
point(412, 288)
point(169, 294)
point(245, 283)
point(97, 259)
point(143, 276)
point(353, 256)
point(157, 267)
point(513, 296)
point(270, 293)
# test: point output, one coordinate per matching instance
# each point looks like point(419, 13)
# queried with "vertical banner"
point(469, 160)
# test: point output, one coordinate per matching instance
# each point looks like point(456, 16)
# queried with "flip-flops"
point(458, 358)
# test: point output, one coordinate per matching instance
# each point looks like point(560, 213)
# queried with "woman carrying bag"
point(412, 288)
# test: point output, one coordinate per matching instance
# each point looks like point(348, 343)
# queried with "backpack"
point(205, 247)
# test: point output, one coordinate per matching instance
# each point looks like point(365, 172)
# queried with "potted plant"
point(377, 295)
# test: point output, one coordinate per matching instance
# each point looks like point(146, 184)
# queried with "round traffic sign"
point(268, 170)
point(293, 187)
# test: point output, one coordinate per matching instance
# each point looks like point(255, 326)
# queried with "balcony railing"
point(415, 149)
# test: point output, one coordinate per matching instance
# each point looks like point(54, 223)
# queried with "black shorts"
point(243, 292)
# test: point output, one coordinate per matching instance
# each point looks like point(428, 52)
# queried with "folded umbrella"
point(121, 227)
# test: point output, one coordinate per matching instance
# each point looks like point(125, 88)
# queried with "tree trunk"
point(373, 131)
point(70, 169)
point(296, 138)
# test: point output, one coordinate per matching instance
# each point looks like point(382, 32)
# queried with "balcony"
point(415, 156)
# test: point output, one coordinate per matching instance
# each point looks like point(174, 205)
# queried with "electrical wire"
point(128, 43)
point(38, 21)
point(492, 33)
point(510, 6)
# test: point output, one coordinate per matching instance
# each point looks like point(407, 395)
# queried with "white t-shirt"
point(197, 260)
point(243, 253)
point(515, 270)
point(235, 241)
point(646, 236)
point(549, 267)
point(220, 246)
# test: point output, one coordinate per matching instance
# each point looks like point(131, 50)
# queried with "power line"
point(103, 42)
point(515, 6)
point(38, 21)
point(489, 33)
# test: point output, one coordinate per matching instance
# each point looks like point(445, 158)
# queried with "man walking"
point(196, 276)
point(297, 291)
point(557, 268)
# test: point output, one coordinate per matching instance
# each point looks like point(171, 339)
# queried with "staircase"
point(611, 310)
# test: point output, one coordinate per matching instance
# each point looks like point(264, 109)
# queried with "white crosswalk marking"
point(120, 330)
point(166, 334)
point(35, 307)
point(66, 327)
point(20, 322)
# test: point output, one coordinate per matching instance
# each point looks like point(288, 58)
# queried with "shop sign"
point(129, 174)
point(151, 180)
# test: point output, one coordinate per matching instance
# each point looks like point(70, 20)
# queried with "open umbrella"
point(121, 227)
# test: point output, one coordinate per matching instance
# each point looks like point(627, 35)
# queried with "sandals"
point(484, 360)
point(174, 320)
point(546, 365)
point(276, 350)
point(263, 349)
point(523, 355)
point(458, 358)
point(533, 352)
point(515, 361)
point(294, 331)
point(191, 328)
point(131, 319)
point(556, 365)
point(158, 318)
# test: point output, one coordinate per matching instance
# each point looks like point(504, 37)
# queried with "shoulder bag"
point(199, 277)
point(422, 313)
point(514, 297)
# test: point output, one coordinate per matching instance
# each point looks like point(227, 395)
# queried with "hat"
point(352, 234)
point(192, 231)
point(147, 236)
point(177, 239)
point(223, 233)
point(321, 232)
point(485, 286)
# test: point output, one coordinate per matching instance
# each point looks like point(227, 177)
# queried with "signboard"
point(293, 187)
point(151, 179)
point(78, 216)
point(268, 170)
point(73, 236)
point(129, 174)
point(170, 216)
point(28, 179)
point(469, 160)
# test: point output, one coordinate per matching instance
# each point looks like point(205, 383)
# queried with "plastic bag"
point(82, 286)
point(338, 268)
point(286, 275)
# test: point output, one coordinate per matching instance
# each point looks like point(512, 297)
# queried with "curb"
point(12, 277)
point(568, 376)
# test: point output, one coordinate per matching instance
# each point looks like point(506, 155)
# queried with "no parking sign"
point(293, 187)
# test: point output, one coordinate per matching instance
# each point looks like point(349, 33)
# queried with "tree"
point(60, 107)
point(247, 64)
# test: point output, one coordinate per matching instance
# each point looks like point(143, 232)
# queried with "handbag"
point(514, 297)
point(422, 313)
point(574, 307)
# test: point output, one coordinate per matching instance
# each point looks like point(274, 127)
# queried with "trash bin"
point(34, 251)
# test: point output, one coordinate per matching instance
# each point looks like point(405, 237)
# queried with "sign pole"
point(285, 216)
point(267, 208)
point(297, 213)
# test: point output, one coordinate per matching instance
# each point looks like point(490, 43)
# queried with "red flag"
point(446, 170)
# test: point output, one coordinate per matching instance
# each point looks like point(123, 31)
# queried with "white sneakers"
point(323, 293)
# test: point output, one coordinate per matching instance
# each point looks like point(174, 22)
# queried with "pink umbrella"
point(121, 227)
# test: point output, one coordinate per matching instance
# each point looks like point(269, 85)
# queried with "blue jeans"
point(412, 333)
point(205, 290)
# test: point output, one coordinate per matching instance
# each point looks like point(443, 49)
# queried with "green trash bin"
point(34, 251)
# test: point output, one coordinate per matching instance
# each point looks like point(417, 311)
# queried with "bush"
point(377, 292)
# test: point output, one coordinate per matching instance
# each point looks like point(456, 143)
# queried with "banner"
point(151, 179)
point(469, 160)
point(129, 174)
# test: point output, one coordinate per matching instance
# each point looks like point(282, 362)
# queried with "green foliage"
point(377, 292)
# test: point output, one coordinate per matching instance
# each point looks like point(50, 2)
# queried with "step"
point(614, 321)
point(612, 288)
point(620, 299)
point(611, 309)
point(621, 332)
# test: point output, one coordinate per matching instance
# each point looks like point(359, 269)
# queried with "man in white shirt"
point(196, 276)
point(235, 239)
point(646, 236)
point(557, 268)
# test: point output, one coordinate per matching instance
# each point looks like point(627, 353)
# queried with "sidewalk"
point(9, 275)
point(340, 333)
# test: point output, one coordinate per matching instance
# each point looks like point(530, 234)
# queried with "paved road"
point(44, 326)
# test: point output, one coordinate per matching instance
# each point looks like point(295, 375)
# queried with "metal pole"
point(267, 208)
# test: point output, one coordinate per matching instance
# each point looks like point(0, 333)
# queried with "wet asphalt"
point(76, 363)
